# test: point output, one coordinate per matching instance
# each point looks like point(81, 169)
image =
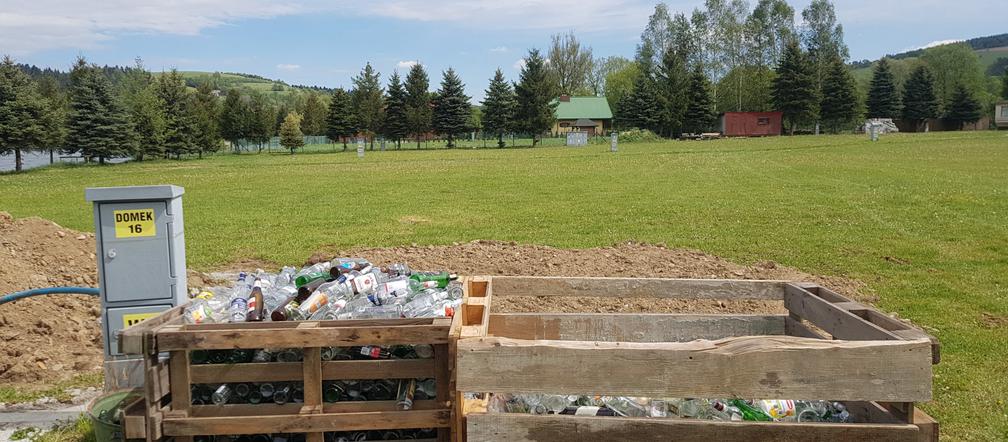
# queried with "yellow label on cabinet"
point(136, 318)
point(134, 223)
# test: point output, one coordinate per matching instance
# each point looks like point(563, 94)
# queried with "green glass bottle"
point(441, 278)
point(749, 412)
point(307, 278)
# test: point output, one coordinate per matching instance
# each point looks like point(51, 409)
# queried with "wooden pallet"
point(166, 411)
point(827, 347)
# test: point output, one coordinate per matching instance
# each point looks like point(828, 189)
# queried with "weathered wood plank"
point(559, 428)
point(927, 425)
point(270, 409)
point(301, 324)
point(631, 327)
point(793, 326)
point(178, 375)
point(476, 306)
point(179, 339)
point(312, 364)
point(291, 371)
point(136, 339)
point(832, 319)
point(638, 287)
point(761, 366)
point(307, 423)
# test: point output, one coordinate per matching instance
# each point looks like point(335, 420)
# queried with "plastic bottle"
point(198, 312)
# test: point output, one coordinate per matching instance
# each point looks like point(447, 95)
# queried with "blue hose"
point(49, 291)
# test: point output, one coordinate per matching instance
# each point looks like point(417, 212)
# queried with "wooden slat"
point(793, 326)
point(331, 370)
point(135, 419)
point(307, 423)
point(476, 299)
point(928, 426)
point(559, 428)
point(832, 319)
point(638, 287)
point(442, 385)
point(301, 324)
point(136, 339)
point(312, 383)
point(181, 395)
point(169, 338)
point(762, 366)
point(270, 409)
point(631, 327)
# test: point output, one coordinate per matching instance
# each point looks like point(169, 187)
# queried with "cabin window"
point(763, 121)
point(1004, 111)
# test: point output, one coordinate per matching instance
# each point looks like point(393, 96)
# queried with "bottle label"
point(251, 303)
point(314, 303)
point(778, 409)
point(199, 315)
point(373, 352)
point(397, 284)
point(586, 411)
point(365, 283)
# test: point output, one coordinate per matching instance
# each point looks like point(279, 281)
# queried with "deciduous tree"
point(235, 118)
point(570, 64)
point(291, 136)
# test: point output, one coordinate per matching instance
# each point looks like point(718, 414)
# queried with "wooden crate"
point(166, 411)
point(827, 347)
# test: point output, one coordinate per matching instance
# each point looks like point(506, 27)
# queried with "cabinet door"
point(135, 255)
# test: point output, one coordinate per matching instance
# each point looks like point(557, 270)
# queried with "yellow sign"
point(134, 223)
point(136, 318)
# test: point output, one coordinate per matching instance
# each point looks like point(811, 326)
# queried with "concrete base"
point(124, 374)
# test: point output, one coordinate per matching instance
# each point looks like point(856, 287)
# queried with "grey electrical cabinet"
point(140, 252)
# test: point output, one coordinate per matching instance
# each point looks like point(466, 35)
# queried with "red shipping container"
point(751, 124)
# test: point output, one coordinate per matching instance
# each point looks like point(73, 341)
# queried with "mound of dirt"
point(627, 259)
point(50, 338)
point(47, 338)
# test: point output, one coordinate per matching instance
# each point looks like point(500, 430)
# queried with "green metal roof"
point(596, 108)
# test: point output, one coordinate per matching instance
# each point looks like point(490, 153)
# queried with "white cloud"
point(288, 67)
point(499, 49)
point(46, 24)
point(519, 64)
point(407, 64)
point(940, 43)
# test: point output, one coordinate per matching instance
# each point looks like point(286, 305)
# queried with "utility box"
point(141, 256)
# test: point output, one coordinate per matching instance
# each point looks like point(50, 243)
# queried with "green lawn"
point(832, 205)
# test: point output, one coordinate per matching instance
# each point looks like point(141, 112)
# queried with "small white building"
point(1001, 115)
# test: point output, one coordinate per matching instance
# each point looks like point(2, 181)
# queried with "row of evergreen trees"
point(919, 100)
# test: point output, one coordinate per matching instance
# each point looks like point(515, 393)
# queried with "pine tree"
point(963, 107)
point(145, 111)
point(368, 98)
point(418, 102)
point(451, 108)
point(261, 120)
point(396, 123)
point(623, 114)
point(499, 107)
point(1004, 85)
point(180, 118)
point(206, 111)
point(98, 126)
point(700, 105)
point(883, 99)
point(794, 89)
point(21, 113)
point(56, 109)
point(839, 106)
point(290, 132)
point(313, 115)
point(920, 99)
point(340, 122)
point(234, 119)
point(673, 85)
point(536, 109)
point(644, 108)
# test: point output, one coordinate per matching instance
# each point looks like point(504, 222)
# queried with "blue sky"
point(327, 42)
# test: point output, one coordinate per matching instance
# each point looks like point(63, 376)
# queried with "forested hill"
point(218, 80)
point(978, 44)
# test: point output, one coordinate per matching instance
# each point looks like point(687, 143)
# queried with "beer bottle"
point(255, 303)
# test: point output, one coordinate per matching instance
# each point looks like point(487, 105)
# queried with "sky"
point(325, 43)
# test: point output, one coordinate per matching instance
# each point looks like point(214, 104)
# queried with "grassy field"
point(937, 203)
